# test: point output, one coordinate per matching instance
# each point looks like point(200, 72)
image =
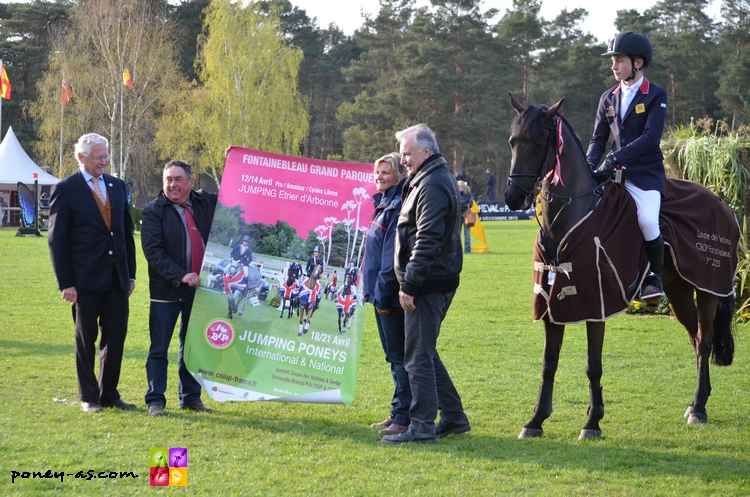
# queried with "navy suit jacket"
point(81, 247)
point(636, 138)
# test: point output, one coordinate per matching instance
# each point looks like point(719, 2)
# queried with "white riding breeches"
point(648, 203)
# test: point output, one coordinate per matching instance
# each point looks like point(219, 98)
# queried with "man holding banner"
point(174, 235)
point(427, 263)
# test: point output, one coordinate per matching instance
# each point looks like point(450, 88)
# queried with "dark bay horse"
point(568, 195)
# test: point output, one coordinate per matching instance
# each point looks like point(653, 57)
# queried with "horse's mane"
point(575, 135)
point(529, 125)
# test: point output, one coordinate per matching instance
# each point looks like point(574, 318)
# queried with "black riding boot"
point(652, 286)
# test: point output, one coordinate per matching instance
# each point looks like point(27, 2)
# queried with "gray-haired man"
point(428, 261)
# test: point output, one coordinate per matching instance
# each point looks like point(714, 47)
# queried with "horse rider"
point(633, 112)
point(353, 270)
point(313, 261)
point(295, 267)
point(242, 252)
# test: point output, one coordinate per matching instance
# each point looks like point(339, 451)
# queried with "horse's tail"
point(723, 350)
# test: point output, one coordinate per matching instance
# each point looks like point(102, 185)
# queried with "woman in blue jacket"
point(381, 287)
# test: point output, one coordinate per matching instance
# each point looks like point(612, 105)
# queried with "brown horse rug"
point(602, 262)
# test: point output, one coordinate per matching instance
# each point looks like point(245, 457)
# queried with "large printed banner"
point(257, 330)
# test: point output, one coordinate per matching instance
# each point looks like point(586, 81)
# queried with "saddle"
point(601, 262)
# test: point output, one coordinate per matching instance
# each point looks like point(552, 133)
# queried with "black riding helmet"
point(633, 45)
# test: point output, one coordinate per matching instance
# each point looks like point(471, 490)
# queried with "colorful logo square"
point(168, 466)
point(159, 477)
point(159, 458)
point(178, 477)
point(178, 457)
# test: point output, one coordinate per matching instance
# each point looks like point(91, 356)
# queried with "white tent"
point(16, 165)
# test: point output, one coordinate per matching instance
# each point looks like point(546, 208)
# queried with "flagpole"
point(122, 90)
point(62, 125)
point(62, 122)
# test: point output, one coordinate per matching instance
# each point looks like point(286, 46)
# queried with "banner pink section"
point(309, 194)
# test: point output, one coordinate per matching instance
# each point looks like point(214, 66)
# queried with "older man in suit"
point(93, 257)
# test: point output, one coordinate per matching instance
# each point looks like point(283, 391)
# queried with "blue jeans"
point(467, 236)
point(161, 322)
point(490, 192)
point(391, 331)
point(431, 385)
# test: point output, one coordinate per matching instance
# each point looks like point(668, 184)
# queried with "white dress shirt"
point(628, 93)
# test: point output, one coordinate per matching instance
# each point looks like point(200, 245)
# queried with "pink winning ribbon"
point(557, 178)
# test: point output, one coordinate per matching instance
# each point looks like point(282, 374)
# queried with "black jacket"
point(164, 242)
point(428, 256)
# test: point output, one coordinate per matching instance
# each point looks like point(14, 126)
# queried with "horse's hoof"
point(688, 411)
point(530, 433)
point(590, 434)
point(697, 419)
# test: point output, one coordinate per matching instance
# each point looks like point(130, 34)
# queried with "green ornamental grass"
point(489, 344)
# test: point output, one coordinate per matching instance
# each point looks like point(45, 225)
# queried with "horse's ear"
point(552, 111)
point(516, 104)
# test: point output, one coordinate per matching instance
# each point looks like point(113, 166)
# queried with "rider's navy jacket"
point(164, 242)
point(381, 287)
point(245, 259)
point(636, 138)
point(311, 263)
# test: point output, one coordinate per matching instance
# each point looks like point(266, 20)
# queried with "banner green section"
point(250, 336)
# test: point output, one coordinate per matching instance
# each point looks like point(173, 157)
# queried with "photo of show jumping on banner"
point(285, 230)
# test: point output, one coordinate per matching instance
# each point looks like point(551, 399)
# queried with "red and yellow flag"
point(4, 84)
point(67, 93)
point(126, 79)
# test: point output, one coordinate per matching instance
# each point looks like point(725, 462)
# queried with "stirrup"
point(652, 288)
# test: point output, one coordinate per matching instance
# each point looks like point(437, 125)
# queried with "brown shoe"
point(156, 410)
point(394, 429)
point(385, 423)
point(91, 407)
point(198, 407)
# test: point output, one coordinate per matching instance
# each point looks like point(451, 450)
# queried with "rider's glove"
point(607, 169)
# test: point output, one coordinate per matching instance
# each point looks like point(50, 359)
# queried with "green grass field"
point(490, 346)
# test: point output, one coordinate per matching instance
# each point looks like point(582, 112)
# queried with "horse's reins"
point(549, 196)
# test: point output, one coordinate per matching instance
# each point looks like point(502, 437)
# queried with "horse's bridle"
point(543, 168)
point(544, 171)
